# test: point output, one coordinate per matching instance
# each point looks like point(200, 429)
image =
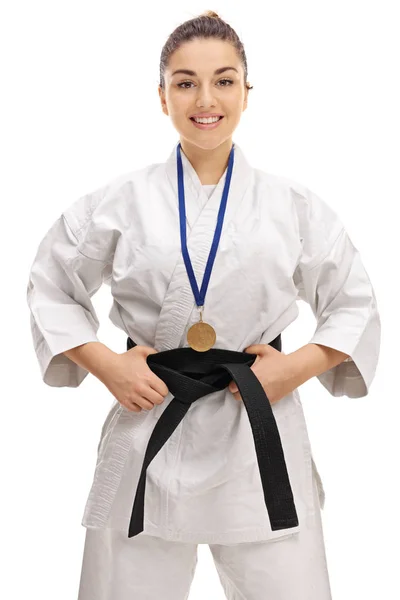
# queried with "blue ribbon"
point(200, 295)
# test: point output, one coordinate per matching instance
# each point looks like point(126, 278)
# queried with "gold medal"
point(201, 336)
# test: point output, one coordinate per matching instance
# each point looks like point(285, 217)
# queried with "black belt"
point(190, 375)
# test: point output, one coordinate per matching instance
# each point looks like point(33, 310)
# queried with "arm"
point(94, 357)
point(62, 281)
point(312, 360)
point(330, 276)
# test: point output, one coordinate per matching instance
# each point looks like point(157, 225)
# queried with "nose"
point(205, 97)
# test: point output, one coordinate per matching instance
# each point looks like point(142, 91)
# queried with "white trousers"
point(116, 567)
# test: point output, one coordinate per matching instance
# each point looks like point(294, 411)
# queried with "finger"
point(144, 403)
point(145, 395)
point(139, 399)
point(153, 395)
point(253, 348)
point(146, 350)
point(133, 407)
point(233, 387)
point(157, 384)
point(257, 348)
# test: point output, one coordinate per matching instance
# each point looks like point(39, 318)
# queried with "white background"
point(80, 106)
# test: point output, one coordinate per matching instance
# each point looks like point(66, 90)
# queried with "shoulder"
point(296, 191)
point(281, 188)
point(317, 223)
point(309, 207)
point(113, 199)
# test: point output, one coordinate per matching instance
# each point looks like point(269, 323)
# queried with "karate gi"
point(280, 243)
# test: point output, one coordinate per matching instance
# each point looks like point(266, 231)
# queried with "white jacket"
point(280, 243)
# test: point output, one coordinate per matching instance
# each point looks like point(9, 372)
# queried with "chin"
point(210, 143)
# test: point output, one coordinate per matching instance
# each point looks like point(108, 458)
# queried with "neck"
point(208, 164)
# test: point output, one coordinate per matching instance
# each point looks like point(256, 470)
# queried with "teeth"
point(208, 120)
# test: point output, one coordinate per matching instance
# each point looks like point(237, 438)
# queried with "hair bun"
point(210, 13)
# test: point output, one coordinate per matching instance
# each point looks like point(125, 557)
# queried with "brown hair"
point(207, 25)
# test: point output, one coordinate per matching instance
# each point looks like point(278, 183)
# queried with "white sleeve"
point(61, 283)
point(331, 278)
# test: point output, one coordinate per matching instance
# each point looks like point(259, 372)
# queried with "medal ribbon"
point(200, 295)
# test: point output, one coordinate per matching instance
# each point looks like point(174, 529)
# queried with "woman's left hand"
point(273, 370)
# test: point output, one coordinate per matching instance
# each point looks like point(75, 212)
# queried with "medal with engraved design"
point(201, 336)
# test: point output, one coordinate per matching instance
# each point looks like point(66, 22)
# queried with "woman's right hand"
point(132, 382)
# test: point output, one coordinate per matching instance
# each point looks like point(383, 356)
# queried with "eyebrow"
point(217, 72)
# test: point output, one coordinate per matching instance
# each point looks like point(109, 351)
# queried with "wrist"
point(295, 372)
point(101, 361)
point(95, 357)
point(312, 360)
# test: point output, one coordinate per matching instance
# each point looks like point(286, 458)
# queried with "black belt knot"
point(190, 375)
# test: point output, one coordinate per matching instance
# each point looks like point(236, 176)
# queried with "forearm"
point(312, 360)
point(95, 357)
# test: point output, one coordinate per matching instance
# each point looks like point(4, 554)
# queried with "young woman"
point(206, 258)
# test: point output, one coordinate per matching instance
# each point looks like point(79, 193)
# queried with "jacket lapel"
point(201, 219)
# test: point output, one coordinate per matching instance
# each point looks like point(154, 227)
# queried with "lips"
point(193, 119)
point(206, 126)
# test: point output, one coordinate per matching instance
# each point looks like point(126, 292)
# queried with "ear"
point(161, 93)
point(246, 97)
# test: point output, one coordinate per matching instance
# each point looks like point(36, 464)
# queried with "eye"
point(228, 80)
point(185, 88)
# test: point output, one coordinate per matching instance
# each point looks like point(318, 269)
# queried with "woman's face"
point(204, 91)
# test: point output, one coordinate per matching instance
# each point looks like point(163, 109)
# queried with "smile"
point(206, 125)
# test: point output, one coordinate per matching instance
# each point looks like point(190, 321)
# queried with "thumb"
point(254, 348)
point(146, 350)
point(233, 387)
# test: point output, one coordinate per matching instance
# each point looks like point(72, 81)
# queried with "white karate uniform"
point(279, 243)
point(115, 567)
